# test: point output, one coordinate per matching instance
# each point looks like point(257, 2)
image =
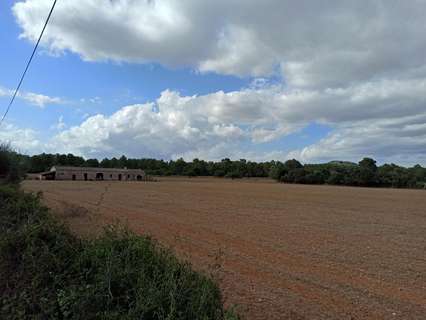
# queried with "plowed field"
point(278, 251)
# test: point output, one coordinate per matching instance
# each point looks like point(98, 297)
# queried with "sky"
point(259, 80)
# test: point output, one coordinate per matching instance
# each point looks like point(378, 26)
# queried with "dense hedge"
point(47, 273)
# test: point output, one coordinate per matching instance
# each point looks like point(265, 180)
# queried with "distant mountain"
point(342, 163)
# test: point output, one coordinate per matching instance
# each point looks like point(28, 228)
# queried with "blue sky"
point(158, 79)
point(68, 77)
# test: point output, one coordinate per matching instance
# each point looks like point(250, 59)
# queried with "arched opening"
point(48, 176)
point(85, 177)
point(139, 177)
point(99, 176)
point(119, 176)
point(73, 177)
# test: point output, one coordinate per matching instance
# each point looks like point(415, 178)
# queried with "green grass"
point(48, 273)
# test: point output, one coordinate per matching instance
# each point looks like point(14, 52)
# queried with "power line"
point(28, 64)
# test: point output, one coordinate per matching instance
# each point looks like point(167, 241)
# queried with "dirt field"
point(279, 251)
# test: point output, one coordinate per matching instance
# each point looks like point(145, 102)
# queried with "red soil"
point(278, 251)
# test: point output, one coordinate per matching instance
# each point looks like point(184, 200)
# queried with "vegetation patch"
point(11, 164)
point(48, 273)
point(364, 174)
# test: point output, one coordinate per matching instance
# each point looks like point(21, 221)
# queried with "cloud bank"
point(356, 66)
point(371, 119)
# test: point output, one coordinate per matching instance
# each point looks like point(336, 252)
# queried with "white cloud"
point(36, 99)
point(94, 100)
point(176, 125)
point(393, 140)
point(39, 100)
point(22, 140)
point(3, 92)
point(356, 66)
point(316, 44)
point(60, 124)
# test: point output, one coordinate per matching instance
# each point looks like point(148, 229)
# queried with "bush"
point(47, 273)
point(233, 175)
point(10, 167)
point(4, 160)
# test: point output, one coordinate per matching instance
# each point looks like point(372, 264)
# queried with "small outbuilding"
point(92, 174)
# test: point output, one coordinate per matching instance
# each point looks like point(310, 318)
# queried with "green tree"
point(122, 161)
point(94, 163)
point(293, 164)
point(277, 170)
point(367, 172)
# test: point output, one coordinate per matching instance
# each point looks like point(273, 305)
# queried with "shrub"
point(47, 273)
point(233, 175)
point(4, 160)
point(10, 168)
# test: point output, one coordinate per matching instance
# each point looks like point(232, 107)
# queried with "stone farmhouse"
point(92, 174)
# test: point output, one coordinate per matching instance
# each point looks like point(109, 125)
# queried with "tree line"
point(364, 173)
point(224, 168)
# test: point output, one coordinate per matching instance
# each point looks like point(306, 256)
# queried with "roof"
point(45, 173)
point(122, 170)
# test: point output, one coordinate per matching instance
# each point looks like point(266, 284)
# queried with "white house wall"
point(91, 176)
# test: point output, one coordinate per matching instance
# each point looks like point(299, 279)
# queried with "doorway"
point(85, 177)
point(73, 177)
point(119, 177)
point(99, 176)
